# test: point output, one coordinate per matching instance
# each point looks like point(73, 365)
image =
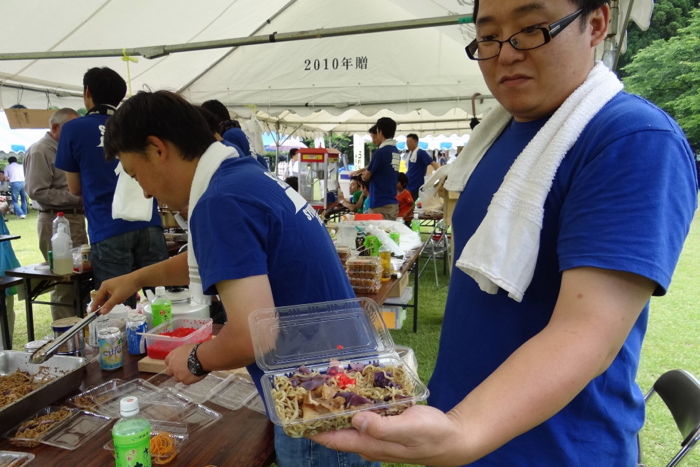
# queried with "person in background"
point(292, 182)
point(543, 374)
point(403, 196)
point(382, 170)
point(8, 260)
point(14, 172)
point(418, 162)
point(47, 186)
point(163, 142)
point(357, 198)
point(117, 246)
point(230, 131)
point(292, 169)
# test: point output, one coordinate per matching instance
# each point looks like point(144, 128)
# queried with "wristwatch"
point(193, 363)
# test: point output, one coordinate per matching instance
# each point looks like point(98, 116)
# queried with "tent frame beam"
point(162, 50)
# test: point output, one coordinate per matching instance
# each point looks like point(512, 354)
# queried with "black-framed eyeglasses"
point(529, 38)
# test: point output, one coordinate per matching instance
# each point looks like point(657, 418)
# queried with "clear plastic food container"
point(367, 286)
point(158, 346)
point(324, 362)
point(364, 263)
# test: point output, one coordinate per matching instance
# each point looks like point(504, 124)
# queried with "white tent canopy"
point(420, 77)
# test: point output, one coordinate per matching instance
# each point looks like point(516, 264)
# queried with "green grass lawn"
point(672, 339)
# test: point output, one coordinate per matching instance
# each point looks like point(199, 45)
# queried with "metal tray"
point(67, 371)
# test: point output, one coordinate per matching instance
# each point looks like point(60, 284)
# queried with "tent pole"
point(162, 50)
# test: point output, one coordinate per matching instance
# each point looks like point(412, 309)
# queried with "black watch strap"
point(193, 363)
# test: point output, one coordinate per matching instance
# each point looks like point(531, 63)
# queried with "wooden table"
point(410, 265)
point(240, 438)
point(38, 279)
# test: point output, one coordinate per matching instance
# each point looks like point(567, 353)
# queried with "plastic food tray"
point(198, 392)
point(79, 428)
point(256, 403)
point(158, 346)
point(15, 458)
point(235, 392)
point(27, 442)
point(317, 336)
point(171, 407)
point(68, 433)
point(104, 399)
point(177, 431)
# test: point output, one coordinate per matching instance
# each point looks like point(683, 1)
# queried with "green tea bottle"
point(131, 436)
point(161, 308)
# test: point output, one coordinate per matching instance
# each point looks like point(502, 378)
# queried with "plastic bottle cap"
point(160, 290)
point(60, 214)
point(129, 406)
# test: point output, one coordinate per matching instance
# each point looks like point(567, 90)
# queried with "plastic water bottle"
point(161, 308)
point(61, 246)
point(131, 436)
point(60, 219)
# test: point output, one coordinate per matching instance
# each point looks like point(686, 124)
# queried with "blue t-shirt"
point(418, 163)
point(382, 185)
point(250, 223)
point(622, 199)
point(80, 149)
point(237, 138)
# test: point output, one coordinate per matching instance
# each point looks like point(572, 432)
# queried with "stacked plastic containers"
point(365, 273)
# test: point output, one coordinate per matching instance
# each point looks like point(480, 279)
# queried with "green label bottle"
point(161, 308)
point(131, 436)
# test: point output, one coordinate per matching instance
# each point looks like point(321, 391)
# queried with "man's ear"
point(599, 20)
point(160, 146)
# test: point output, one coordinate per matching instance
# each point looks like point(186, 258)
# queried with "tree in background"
point(668, 17)
point(667, 72)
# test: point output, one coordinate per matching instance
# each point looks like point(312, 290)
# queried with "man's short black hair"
point(218, 109)
point(402, 178)
point(586, 5)
point(209, 117)
point(293, 182)
point(105, 85)
point(162, 114)
point(373, 130)
point(413, 136)
point(293, 152)
point(11, 159)
point(387, 126)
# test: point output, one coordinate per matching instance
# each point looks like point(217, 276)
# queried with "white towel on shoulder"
point(208, 163)
point(503, 251)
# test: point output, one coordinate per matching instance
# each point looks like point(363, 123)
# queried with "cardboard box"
point(399, 286)
point(28, 118)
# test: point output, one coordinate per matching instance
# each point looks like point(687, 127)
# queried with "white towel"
point(503, 251)
point(128, 202)
point(207, 165)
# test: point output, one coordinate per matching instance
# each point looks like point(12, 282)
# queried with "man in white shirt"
point(15, 175)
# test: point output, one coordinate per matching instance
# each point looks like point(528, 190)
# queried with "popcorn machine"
point(318, 176)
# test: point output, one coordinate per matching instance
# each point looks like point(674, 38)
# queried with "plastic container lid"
point(288, 337)
point(129, 406)
point(160, 291)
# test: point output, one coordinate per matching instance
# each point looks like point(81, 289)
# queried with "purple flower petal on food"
point(356, 366)
point(352, 399)
point(313, 383)
point(304, 370)
point(334, 370)
point(381, 381)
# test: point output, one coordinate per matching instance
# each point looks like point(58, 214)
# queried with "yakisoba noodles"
point(306, 400)
point(34, 428)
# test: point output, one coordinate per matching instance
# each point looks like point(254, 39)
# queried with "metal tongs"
point(47, 350)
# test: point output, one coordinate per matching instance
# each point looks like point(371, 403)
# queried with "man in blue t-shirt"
point(381, 171)
point(549, 380)
point(256, 242)
point(418, 162)
point(117, 246)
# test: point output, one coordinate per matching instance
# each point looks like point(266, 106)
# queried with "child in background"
point(405, 199)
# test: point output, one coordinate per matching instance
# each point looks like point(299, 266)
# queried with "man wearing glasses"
point(545, 375)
